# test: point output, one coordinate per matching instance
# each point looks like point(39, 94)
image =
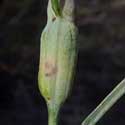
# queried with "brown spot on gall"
point(48, 98)
point(50, 68)
point(53, 19)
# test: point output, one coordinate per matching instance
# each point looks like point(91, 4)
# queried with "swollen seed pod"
point(57, 58)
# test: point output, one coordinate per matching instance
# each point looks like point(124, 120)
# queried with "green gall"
point(58, 53)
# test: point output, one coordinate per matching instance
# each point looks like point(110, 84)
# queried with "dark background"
point(101, 61)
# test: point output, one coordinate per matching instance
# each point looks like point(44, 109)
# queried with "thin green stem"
point(106, 104)
point(52, 119)
point(52, 115)
point(56, 7)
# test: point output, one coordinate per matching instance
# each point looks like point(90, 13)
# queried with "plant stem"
point(52, 115)
point(56, 7)
point(52, 119)
point(106, 104)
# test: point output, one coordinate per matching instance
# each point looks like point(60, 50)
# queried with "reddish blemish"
point(53, 19)
point(50, 68)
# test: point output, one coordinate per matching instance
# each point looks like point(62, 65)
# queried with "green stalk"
point(106, 104)
point(52, 116)
point(56, 7)
point(52, 119)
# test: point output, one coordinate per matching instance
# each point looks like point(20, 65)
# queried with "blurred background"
point(101, 61)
